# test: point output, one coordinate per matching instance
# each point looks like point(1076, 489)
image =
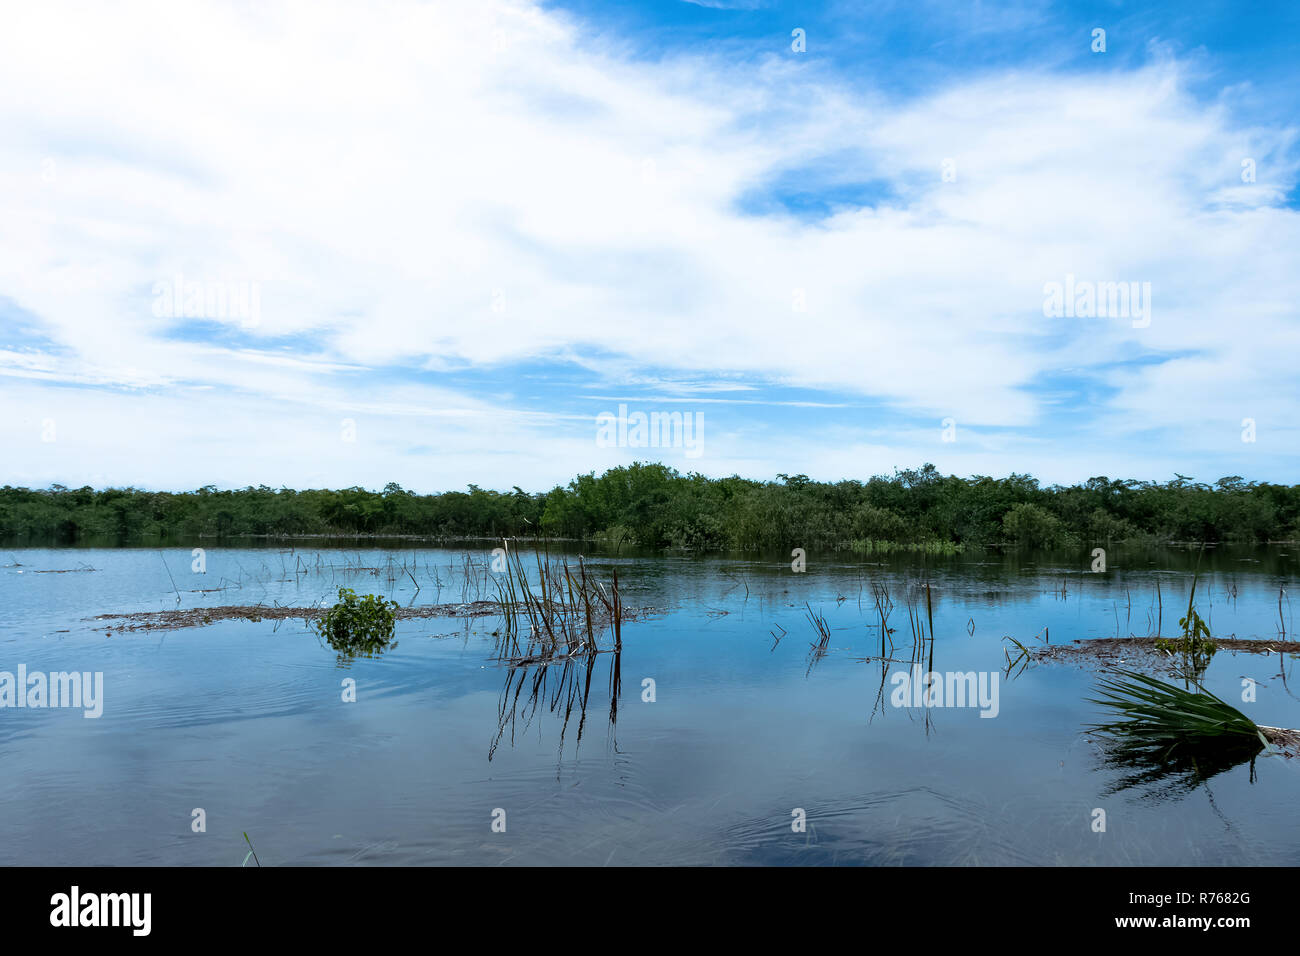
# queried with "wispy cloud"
point(476, 207)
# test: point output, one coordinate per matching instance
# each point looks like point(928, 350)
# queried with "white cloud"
point(390, 176)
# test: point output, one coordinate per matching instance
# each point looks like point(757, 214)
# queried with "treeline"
point(653, 505)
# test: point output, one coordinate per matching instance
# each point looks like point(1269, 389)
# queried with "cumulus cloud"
point(421, 189)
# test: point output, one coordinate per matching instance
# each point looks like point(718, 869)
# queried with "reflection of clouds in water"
point(739, 735)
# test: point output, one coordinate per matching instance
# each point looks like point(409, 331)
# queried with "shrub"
point(358, 625)
point(1107, 528)
point(1032, 527)
point(878, 524)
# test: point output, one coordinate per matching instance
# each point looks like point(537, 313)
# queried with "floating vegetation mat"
point(199, 616)
point(175, 618)
point(1144, 650)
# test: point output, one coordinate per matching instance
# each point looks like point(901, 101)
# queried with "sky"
point(333, 244)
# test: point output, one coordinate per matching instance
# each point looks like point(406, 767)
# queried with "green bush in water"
point(358, 625)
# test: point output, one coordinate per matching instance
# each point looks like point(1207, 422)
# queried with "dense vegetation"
point(654, 505)
point(358, 625)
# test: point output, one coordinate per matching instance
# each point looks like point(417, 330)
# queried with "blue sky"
point(295, 244)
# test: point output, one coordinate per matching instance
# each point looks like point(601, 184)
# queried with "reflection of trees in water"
point(560, 685)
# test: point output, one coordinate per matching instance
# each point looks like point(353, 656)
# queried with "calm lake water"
point(246, 719)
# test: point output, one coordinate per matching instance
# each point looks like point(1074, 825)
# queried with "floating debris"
point(199, 616)
point(1148, 651)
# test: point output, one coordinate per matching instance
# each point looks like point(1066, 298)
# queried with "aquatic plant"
point(818, 621)
point(817, 651)
point(1195, 645)
point(554, 623)
point(560, 612)
point(251, 852)
point(358, 625)
point(1168, 740)
point(1023, 657)
point(1198, 649)
point(1157, 712)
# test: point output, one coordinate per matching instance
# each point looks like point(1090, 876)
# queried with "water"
point(246, 720)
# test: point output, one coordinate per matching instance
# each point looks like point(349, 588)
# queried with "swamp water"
point(751, 721)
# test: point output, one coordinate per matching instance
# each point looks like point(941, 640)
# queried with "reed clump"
point(561, 611)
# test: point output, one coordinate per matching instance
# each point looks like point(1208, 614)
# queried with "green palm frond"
point(1152, 711)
